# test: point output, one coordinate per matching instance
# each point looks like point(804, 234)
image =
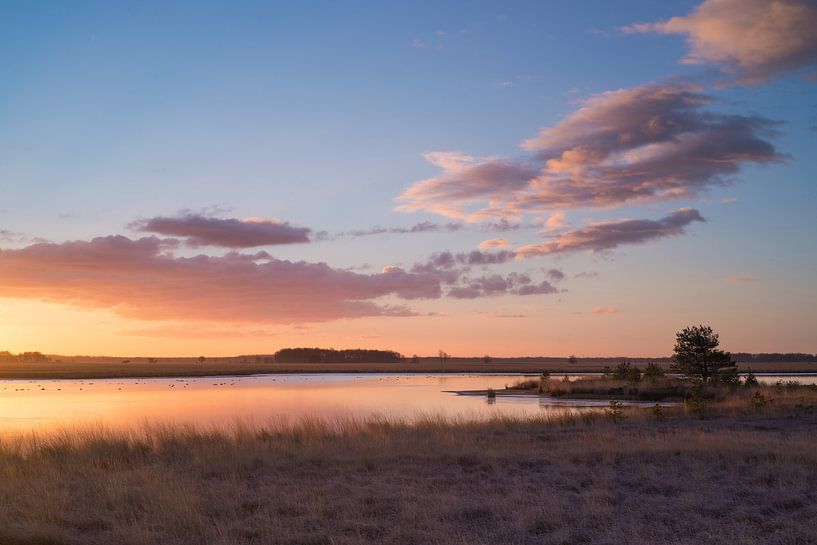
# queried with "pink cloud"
point(143, 279)
point(611, 234)
point(464, 180)
point(644, 144)
point(753, 40)
point(229, 233)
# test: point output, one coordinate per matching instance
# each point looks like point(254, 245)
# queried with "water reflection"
point(26, 404)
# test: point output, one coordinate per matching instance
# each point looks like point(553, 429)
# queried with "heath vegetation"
point(746, 474)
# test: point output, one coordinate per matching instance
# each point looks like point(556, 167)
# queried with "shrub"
point(757, 401)
point(658, 412)
point(653, 371)
point(627, 371)
point(526, 385)
point(697, 403)
point(751, 380)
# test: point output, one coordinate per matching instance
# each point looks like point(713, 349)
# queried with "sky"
point(503, 178)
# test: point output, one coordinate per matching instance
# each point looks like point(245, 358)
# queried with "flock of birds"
point(51, 386)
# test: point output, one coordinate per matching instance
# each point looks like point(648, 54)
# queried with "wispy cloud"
point(752, 40)
point(606, 309)
point(738, 280)
point(195, 331)
point(499, 315)
point(611, 234)
point(199, 230)
point(422, 227)
point(556, 275)
point(465, 180)
point(495, 284)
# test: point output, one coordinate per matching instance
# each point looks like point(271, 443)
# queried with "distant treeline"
point(25, 357)
point(776, 357)
point(330, 355)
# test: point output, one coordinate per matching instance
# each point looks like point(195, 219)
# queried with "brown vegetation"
point(747, 474)
point(662, 388)
point(100, 367)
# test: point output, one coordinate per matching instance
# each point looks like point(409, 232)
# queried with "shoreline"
point(229, 367)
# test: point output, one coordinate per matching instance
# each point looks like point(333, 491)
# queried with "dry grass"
point(747, 477)
point(662, 389)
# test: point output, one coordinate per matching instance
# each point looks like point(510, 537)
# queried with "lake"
point(206, 401)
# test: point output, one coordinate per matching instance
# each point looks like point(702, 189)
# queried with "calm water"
point(27, 404)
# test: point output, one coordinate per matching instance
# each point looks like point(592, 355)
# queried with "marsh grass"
point(654, 389)
point(661, 389)
point(738, 477)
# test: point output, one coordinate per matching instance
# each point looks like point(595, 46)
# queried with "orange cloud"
point(493, 243)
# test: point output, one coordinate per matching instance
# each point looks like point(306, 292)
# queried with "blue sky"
point(318, 114)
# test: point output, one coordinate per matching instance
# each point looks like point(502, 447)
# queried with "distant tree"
point(415, 359)
point(33, 357)
point(330, 355)
point(487, 359)
point(6, 356)
point(152, 360)
point(696, 356)
point(201, 359)
point(443, 356)
point(572, 360)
